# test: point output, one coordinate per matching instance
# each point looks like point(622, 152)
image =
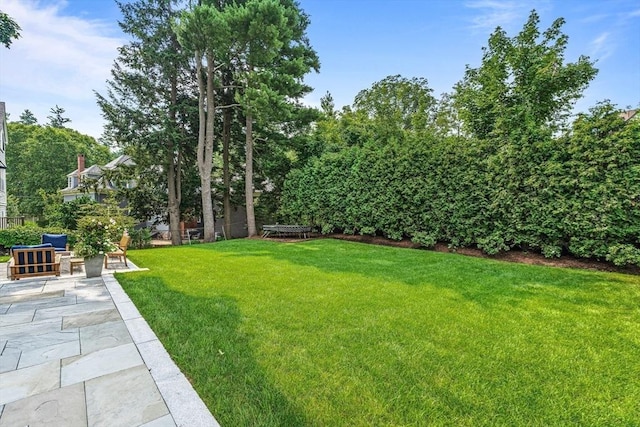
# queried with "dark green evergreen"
point(499, 165)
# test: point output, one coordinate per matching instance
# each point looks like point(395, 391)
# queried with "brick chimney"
point(80, 163)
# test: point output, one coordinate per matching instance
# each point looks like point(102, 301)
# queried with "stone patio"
point(76, 352)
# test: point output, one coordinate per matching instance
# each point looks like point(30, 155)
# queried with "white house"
point(90, 181)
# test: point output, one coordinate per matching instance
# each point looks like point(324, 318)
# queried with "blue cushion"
point(43, 245)
point(59, 241)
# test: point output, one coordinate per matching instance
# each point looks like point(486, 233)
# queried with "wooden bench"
point(33, 262)
point(283, 229)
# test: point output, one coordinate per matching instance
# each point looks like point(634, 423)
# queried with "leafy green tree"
point(40, 159)
point(28, 118)
point(257, 51)
point(205, 32)
point(150, 104)
point(398, 103)
point(9, 30)
point(64, 214)
point(523, 86)
point(516, 101)
point(56, 119)
point(274, 54)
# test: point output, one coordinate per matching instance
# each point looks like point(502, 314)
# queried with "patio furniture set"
point(46, 258)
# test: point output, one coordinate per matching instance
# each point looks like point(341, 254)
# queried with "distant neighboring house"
point(4, 139)
point(91, 181)
point(629, 114)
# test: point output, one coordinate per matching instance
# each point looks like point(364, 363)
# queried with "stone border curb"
point(185, 406)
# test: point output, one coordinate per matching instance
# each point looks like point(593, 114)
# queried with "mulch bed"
point(514, 255)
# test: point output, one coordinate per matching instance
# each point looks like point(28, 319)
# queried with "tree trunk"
point(226, 178)
point(206, 164)
point(248, 184)
point(174, 175)
point(174, 201)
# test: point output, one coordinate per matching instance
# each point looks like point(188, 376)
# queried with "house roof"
point(94, 170)
point(629, 114)
point(121, 160)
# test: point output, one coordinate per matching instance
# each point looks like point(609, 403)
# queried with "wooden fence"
point(8, 222)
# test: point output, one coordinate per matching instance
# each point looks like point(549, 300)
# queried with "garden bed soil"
point(513, 255)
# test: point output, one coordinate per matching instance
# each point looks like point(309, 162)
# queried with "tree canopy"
point(9, 30)
point(523, 85)
point(39, 159)
point(498, 165)
point(56, 119)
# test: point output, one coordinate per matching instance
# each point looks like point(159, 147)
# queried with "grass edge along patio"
point(327, 332)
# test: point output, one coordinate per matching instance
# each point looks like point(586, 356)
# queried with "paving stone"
point(60, 407)
point(128, 310)
point(62, 285)
point(52, 352)
point(16, 318)
point(9, 359)
point(93, 281)
point(30, 381)
point(158, 360)
point(42, 340)
point(21, 287)
point(41, 304)
point(184, 403)
point(29, 297)
point(125, 398)
point(140, 330)
point(119, 295)
point(103, 335)
point(90, 294)
point(20, 324)
point(88, 307)
point(166, 421)
point(99, 363)
point(92, 318)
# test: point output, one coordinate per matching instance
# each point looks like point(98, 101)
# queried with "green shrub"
point(578, 193)
point(140, 238)
point(624, 255)
point(30, 235)
point(424, 239)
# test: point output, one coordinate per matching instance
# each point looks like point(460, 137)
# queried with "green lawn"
point(334, 333)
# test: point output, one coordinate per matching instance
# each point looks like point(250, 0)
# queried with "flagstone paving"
point(76, 352)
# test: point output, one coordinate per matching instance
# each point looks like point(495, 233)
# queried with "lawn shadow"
point(204, 337)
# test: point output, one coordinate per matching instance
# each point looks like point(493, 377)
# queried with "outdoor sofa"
point(33, 261)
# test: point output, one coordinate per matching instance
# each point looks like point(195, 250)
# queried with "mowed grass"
point(334, 333)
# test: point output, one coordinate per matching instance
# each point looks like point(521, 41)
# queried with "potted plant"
point(94, 242)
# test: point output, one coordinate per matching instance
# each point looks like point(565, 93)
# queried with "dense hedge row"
point(579, 193)
point(30, 235)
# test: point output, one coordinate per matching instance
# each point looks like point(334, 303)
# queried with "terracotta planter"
point(93, 265)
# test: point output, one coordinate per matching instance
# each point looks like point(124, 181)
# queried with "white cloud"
point(59, 59)
point(602, 46)
point(594, 18)
point(503, 13)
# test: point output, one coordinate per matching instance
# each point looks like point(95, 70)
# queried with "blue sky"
point(68, 47)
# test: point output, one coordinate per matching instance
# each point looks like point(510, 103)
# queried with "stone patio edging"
point(185, 405)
